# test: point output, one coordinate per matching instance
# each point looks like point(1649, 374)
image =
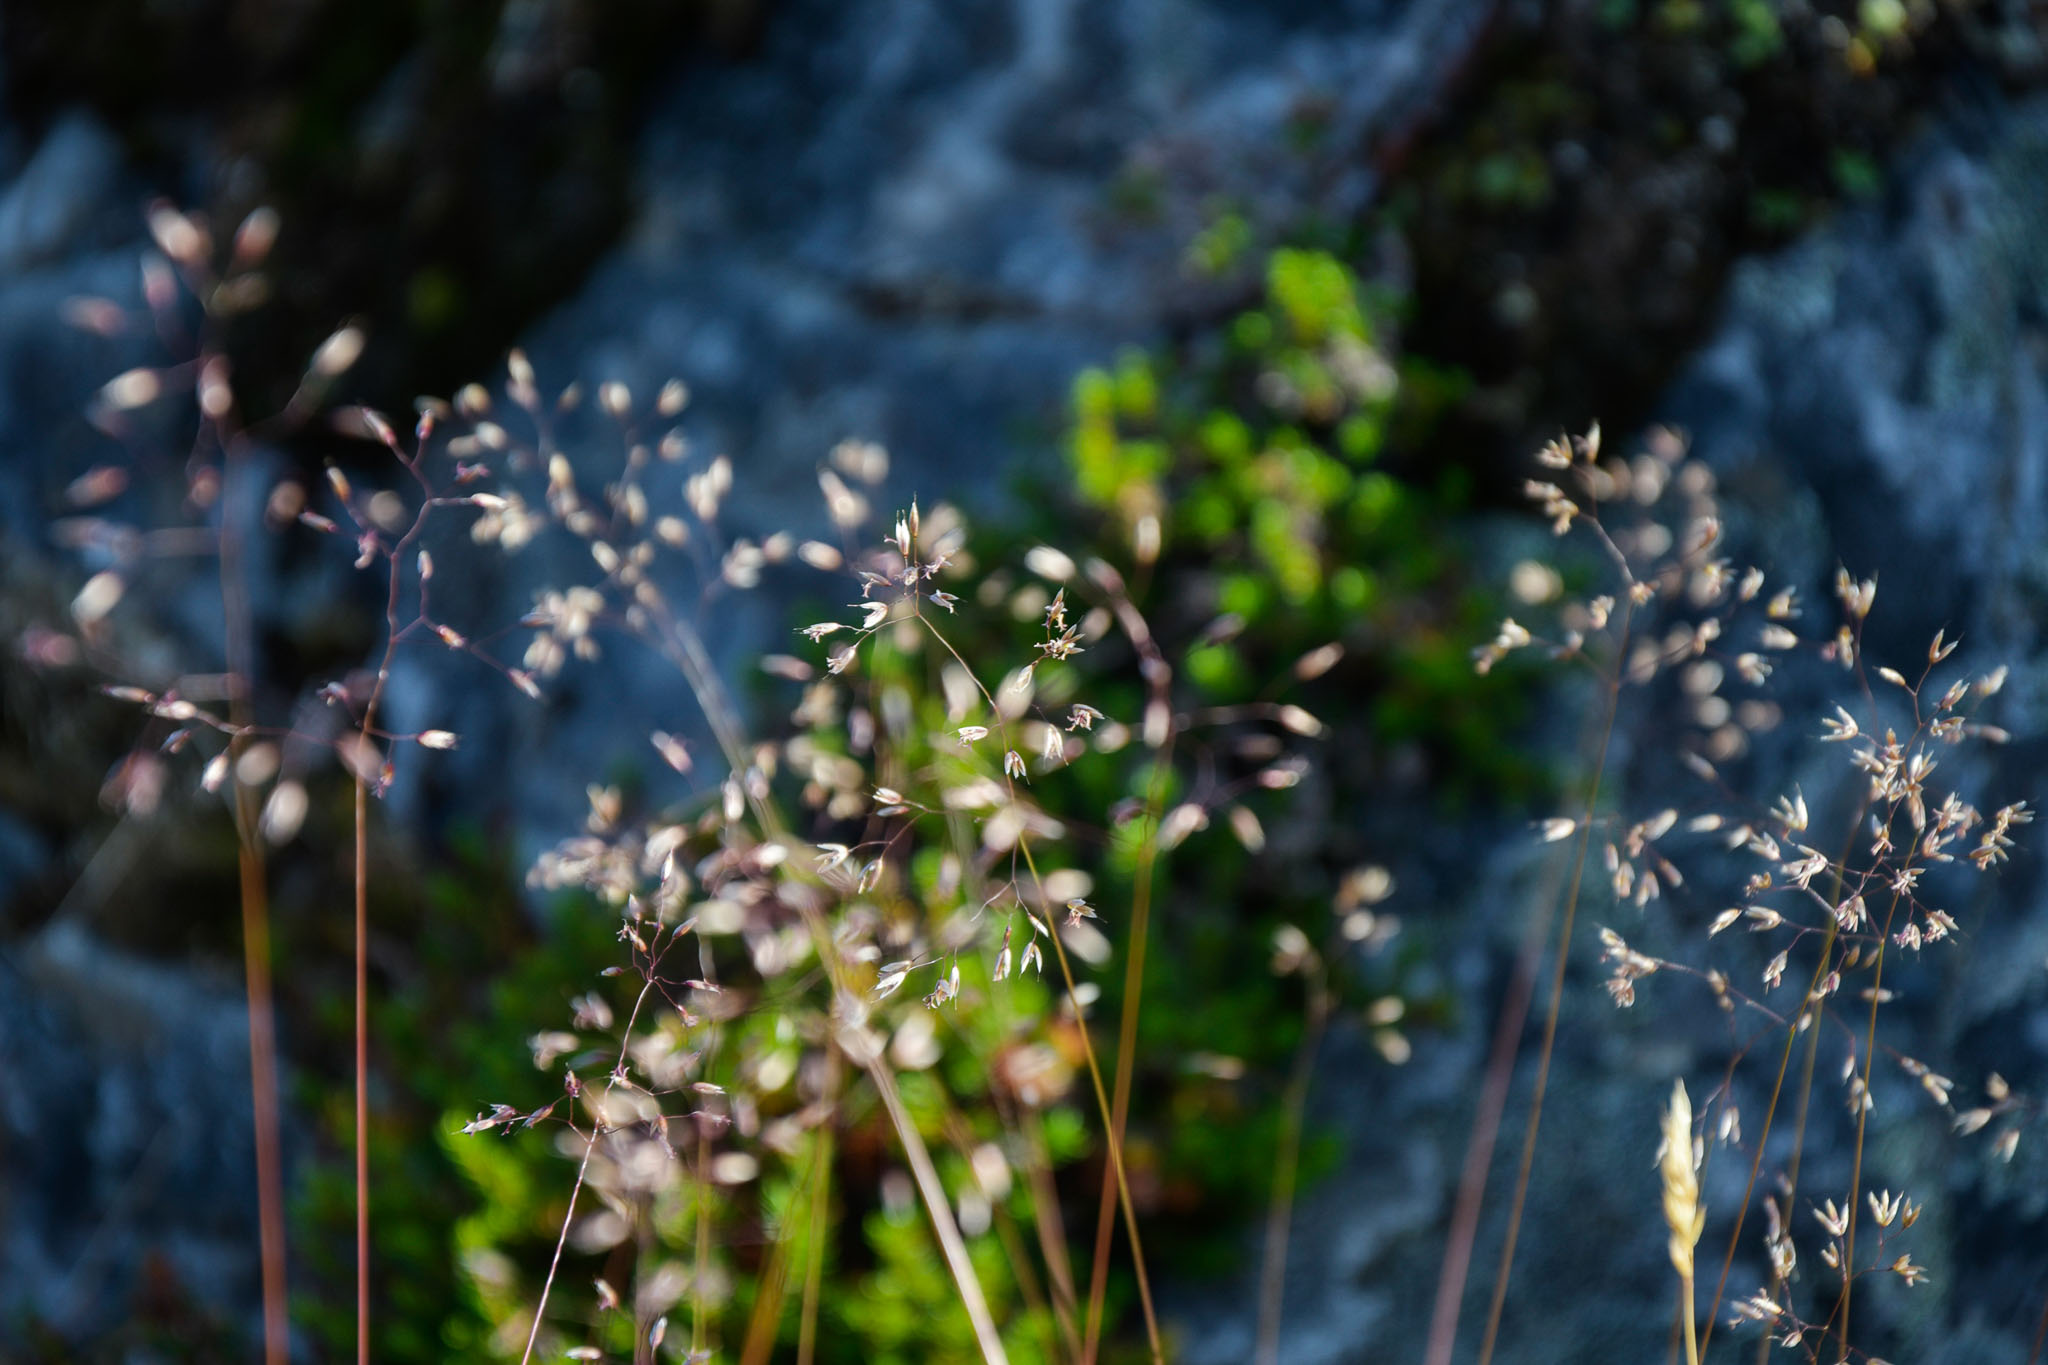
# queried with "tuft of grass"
point(1833, 888)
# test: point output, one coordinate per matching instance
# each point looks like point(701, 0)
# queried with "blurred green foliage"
point(1259, 456)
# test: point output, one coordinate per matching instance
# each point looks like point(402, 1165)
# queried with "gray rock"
point(62, 197)
point(1875, 396)
point(918, 239)
point(902, 221)
point(23, 856)
point(125, 1119)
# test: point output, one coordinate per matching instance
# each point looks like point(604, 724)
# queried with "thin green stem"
point(1127, 1047)
point(1280, 1209)
point(1116, 1153)
point(821, 1200)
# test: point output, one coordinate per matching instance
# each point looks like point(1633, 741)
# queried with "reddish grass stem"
point(263, 1087)
point(1493, 1101)
point(256, 965)
point(362, 1041)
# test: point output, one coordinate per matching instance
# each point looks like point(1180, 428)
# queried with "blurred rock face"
point(1877, 397)
point(895, 221)
point(911, 224)
point(446, 171)
point(126, 1132)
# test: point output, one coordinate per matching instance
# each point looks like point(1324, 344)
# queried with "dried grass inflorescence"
point(891, 835)
point(892, 838)
point(1833, 889)
point(897, 832)
point(1678, 1162)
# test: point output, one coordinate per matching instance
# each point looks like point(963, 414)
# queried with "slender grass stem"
point(701, 1274)
point(1052, 1237)
point(1862, 1121)
point(1564, 943)
point(1116, 1161)
point(821, 1201)
point(1493, 1098)
point(1127, 1049)
point(1777, 1088)
point(702, 676)
point(362, 1064)
point(597, 1129)
point(955, 1249)
point(1685, 1313)
point(1287, 1166)
point(256, 952)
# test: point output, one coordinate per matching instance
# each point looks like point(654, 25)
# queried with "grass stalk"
point(256, 951)
point(702, 675)
point(1116, 1163)
point(1862, 1121)
point(1126, 1059)
point(1564, 943)
point(1287, 1167)
point(362, 1065)
point(1091, 1341)
point(1686, 1315)
point(821, 1200)
point(1493, 1099)
point(263, 1082)
point(950, 1241)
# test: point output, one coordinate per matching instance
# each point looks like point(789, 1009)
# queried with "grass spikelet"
point(1682, 1211)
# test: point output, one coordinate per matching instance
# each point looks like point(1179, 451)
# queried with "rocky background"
point(1824, 253)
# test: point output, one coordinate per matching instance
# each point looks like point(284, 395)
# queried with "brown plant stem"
point(256, 952)
point(766, 1317)
point(1052, 1237)
point(1030, 1156)
point(263, 1085)
point(1493, 1100)
point(362, 1042)
point(1116, 1163)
